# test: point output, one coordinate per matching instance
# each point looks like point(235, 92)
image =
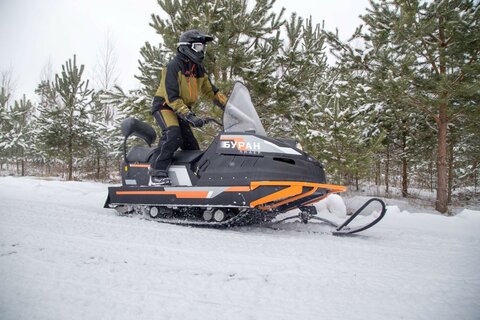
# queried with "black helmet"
point(192, 44)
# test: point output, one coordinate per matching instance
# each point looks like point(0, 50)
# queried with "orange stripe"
point(178, 194)
point(139, 165)
point(300, 196)
point(279, 195)
point(292, 193)
point(331, 187)
point(238, 189)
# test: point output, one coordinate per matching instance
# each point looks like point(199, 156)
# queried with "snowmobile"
point(244, 177)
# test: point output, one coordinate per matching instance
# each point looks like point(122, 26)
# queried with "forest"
point(396, 105)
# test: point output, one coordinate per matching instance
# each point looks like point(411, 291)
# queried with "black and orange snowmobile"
point(242, 178)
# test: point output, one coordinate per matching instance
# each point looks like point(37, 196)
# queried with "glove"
point(195, 121)
point(220, 97)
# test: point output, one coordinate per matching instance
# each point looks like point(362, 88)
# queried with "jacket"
point(181, 83)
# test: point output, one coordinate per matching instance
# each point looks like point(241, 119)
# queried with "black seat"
point(140, 154)
point(187, 156)
point(144, 155)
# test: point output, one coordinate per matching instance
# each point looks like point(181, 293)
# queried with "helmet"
point(192, 44)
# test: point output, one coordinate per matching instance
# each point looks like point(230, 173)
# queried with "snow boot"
point(159, 178)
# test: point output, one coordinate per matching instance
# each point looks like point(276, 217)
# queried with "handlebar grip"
point(209, 120)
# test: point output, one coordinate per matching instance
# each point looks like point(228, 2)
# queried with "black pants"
point(176, 133)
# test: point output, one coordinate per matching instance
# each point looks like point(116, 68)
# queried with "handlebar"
point(210, 120)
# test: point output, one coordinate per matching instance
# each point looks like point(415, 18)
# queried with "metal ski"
point(308, 213)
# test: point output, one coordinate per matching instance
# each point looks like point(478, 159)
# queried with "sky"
point(37, 34)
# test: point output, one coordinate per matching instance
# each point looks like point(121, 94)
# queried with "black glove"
point(219, 104)
point(195, 121)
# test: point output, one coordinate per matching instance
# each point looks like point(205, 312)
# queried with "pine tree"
point(21, 136)
point(6, 125)
point(421, 60)
point(442, 36)
point(301, 70)
point(63, 126)
point(15, 131)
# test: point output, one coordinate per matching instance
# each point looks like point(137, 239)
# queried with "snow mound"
point(332, 204)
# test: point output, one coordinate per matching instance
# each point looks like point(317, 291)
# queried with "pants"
point(176, 133)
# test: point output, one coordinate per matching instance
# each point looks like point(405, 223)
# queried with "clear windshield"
point(240, 114)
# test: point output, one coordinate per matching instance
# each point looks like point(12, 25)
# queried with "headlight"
point(299, 146)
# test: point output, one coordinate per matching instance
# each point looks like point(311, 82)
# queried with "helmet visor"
point(199, 47)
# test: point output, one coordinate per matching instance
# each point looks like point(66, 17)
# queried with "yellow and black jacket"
point(181, 83)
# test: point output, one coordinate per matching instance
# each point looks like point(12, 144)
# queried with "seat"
point(144, 155)
point(140, 154)
point(186, 156)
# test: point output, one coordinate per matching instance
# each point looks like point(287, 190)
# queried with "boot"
point(159, 178)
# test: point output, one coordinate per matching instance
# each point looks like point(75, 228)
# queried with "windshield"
point(240, 114)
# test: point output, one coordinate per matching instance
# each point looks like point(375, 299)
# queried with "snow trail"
point(62, 256)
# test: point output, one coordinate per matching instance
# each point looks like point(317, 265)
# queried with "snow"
point(62, 256)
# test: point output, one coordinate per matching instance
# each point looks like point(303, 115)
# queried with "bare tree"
point(7, 86)
point(106, 74)
point(47, 71)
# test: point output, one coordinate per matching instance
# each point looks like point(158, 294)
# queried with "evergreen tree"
point(21, 136)
point(302, 73)
point(6, 125)
point(443, 37)
point(64, 129)
point(421, 58)
point(15, 131)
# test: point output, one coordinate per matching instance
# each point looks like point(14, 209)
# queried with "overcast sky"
point(34, 33)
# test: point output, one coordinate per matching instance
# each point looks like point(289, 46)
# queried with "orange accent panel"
point(178, 194)
point(139, 165)
point(278, 204)
point(293, 192)
point(332, 187)
point(238, 189)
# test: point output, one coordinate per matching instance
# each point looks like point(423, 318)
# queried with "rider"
point(182, 79)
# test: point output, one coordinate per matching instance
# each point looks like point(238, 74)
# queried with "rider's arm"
point(170, 86)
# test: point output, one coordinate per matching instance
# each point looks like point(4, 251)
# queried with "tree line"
point(397, 104)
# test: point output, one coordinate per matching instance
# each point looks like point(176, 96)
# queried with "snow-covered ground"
point(62, 256)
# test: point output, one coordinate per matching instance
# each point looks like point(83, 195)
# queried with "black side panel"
point(241, 170)
point(207, 157)
point(146, 195)
point(154, 196)
point(133, 175)
point(287, 141)
point(237, 169)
